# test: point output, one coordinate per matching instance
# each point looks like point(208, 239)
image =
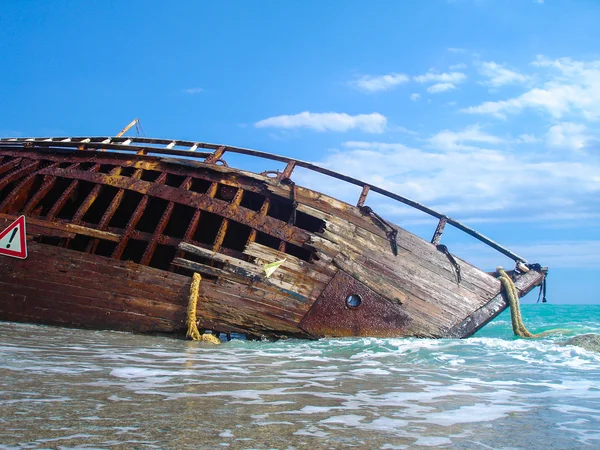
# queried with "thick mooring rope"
point(191, 318)
point(513, 301)
point(515, 309)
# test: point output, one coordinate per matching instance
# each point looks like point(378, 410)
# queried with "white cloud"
point(192, 91)
point(445, 77)
point(331, 121)
point(440, 87)
point(455, 140)
point(369, 83)
point(527, 139)
point(571, 88)
point(470, 173)
point(415, 96)
point(497, 75)
point(457, 50)
point(459, 66)
point(567, 135)
point(540, 2)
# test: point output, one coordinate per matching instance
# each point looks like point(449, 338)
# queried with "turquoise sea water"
point(66, 388)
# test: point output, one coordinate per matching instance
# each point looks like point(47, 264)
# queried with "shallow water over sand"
point(87, 389)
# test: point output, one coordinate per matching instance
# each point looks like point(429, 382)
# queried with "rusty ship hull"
point(116, 227)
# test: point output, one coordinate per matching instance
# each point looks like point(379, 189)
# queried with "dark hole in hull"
point(134, 250)
point(125, 210)
point(174, 180)
point(268, 240)
point(152, 215)
point(127, 171)
point(79, 243)
point(208, 227)
point(236, 236)
point(280, 209)
point(106, 168)
point(86, 165)
point(180, 219)
point(75, 200)
point(309, 223)
point(199, 185)
point(162, 257)
point(226, 193)
point(99, 206)
point(51, 197)
point(150, 175)
point(105, 248)
point(252, 200)
point(298, 252)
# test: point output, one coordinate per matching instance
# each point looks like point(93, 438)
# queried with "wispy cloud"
point(415, 96)
point(571, 88)
point(459, 66)
point(444, 81)
point(444, 77)
point(456, 140)
point(457, 50)
point(193, 91)
point(470, 172)
point(527, 139)
point(567, 135)
point(497, 75)
point(330, 121)
point(440, 87)
point(369, 83)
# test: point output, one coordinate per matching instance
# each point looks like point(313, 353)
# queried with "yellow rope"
point(191, 318)
point(515, 309)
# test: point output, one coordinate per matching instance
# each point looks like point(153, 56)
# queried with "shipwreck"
point(118, 226)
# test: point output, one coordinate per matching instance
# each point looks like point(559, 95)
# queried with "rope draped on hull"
point(515, 309)
point(191, 318)
point(513, 302)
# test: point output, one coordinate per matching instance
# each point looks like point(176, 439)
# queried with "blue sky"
point(486, 110)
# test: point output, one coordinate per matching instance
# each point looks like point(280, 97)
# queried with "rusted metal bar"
point(287, 172)
point(19, 194)
point(437, 235)
point(10, 165)
point(237, 199)
point(49, 181)
point(193, 226)
point(264, 209)
point(110, 211)
point(216, 155)
point(58, 205)
point(91, 197)
point(363, 196)
point(134, 219)
point(266, 224)
point(20, 172)
point(162, 224)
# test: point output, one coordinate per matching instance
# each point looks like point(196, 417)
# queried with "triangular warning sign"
point(12, 240)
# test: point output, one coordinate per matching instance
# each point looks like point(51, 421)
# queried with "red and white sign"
point(12, 240)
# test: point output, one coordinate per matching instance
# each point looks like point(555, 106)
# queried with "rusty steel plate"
point(332, 316)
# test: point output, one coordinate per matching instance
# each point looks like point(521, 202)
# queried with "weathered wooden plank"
point(50, 311)
point(67, 228)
